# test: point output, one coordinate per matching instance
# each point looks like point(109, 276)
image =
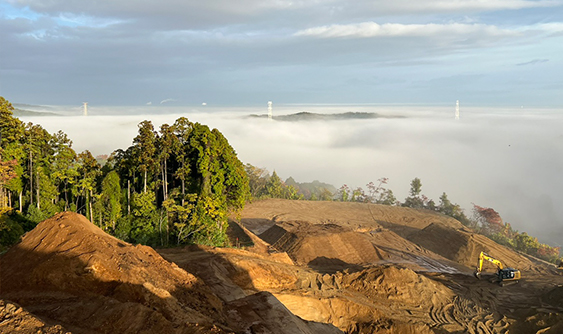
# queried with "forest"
point(178, 184)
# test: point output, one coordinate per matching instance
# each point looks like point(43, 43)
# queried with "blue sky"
point(246, 52)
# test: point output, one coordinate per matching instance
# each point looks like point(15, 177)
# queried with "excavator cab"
point(504, 275)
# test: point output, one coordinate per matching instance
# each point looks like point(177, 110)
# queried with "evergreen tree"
point(111, 201)
point(274, 186)
point(145, 149)
point(89, 169)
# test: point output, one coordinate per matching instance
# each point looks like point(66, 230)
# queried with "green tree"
point(416, 187)
point(167, 143)
point(387, 198)
point(89, 169)
point(182, 128)
point(326, 195)
point(274, 186)
point(257, 179)
point(343, 194)
point(63, 167)
point(219, 180)
point(145, 150)
point(527, 244)
point(111, 200)
point(144, 218)
point(415, 200)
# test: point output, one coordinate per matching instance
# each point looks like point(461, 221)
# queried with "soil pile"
point(14, 319)
point(66, 260)
point(261, 215)
point(328, 246)
point(464, 246)
point(70, 273)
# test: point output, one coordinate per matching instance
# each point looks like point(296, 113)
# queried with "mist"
point(506, 159)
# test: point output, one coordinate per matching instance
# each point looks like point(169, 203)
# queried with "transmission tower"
point(270, 115)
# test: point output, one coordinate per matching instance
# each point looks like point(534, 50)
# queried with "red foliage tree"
point(489, 219)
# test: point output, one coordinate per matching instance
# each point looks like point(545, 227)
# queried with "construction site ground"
point(295, 267)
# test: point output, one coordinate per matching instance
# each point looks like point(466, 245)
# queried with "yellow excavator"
point(504, 275)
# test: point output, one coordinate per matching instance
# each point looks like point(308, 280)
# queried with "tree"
point(111, 200)
point(343, 194)
point(7, 173)
point(89, 169)
point(64, 168)
point(358, 195)
point(167, 144)
point(144, 216)
point(387, 198)
point(257, 179)
point(488, 219)
point(415, 200)
point(274, 186)
point(416, 187)
point(453, 210)
point(145, 149)
point(326, 195)
point(12, 132)
point(219, 180)
point(182, 128)
point(527, 244)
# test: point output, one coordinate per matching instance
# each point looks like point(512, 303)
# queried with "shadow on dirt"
point(67, 290)
point(325, 265)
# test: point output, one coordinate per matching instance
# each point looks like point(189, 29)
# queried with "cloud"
point(372, 29)
point(472, 5)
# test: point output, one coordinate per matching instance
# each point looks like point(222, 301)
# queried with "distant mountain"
point(309, 116)
point(319, 189)
point(22, 112)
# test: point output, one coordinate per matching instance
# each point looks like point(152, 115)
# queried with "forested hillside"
point(173, 185)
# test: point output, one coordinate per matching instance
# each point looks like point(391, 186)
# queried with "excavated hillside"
point(69, 272)
point(428, 244)
point(298, 267)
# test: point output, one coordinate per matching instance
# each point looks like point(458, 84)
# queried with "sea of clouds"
point(509, 159)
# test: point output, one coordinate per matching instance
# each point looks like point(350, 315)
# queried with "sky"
point(247, 52)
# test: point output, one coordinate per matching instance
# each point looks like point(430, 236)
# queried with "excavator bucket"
point(477, 274)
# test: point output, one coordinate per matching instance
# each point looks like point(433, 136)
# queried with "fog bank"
point(507, 159)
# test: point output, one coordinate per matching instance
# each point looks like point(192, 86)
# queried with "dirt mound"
point(67, 256)
point(71, 273)
point(323, 245)
point(400, 284)
point(332, 236)
point(14, 319)
point(253, 309)
point(464, 246)
point(261, 215)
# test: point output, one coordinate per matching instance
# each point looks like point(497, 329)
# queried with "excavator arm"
point(484, 256)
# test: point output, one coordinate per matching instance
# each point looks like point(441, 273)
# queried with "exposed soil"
point(300, 267)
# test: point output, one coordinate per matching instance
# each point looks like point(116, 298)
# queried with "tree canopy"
point(179, 184)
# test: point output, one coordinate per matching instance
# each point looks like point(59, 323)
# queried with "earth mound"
point(464, 246)
point(66, 257)
point(68, 272)
point(14, 319)
point(329, 246)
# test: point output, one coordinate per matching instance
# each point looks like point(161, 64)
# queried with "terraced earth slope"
point(300, 267)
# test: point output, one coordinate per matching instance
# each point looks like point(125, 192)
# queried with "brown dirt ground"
point(299, 267)
point(428, 244)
